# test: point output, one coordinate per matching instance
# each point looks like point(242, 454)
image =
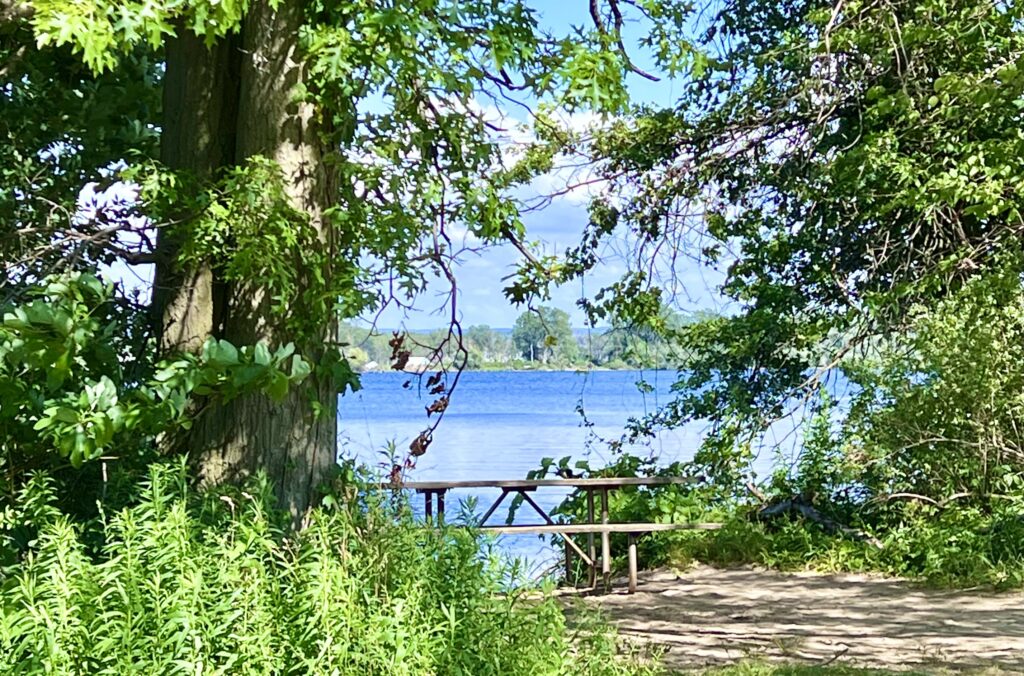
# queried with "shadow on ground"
point(707, 616)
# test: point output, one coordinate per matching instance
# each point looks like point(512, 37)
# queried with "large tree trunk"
point(200, 111)
point(230, 442)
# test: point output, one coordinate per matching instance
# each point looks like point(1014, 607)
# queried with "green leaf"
point(277, 389)
point(222, 353)
point(300, 368)
point(261, 354)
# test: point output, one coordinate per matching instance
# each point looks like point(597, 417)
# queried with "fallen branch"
point(756, 492)
point(796, 506)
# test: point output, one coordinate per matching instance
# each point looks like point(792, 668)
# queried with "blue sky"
point(482, 276)
point(558, 226)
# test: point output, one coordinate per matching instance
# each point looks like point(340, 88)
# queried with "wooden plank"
point(571, 544)
point(568, 560)
point(536, 507)
point(592, 572)
point(493, 507)
point(601, 528)
point(606, 542)
point(632, 563)
point(526, 484)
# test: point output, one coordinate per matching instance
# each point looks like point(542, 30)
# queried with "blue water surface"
point(500, 424)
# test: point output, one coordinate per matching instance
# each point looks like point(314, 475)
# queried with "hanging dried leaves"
point(396, 342)
point(420, 444)
point(399, 355)
point(439, 406)
point(401, 360)
point(435, 384)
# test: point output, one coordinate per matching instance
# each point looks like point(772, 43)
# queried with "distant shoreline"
point(565, 369)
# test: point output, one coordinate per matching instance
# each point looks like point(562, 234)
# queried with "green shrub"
point(216, 583)
point(961, 545)
point(958, 549)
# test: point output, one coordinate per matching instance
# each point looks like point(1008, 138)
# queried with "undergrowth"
point(985, 551)
point(755, 668)
point(964, 547)
point(180, 582)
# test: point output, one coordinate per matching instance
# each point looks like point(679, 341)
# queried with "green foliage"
point(102, 31)
point(823, 474)
point(245, 227)
point(924, 455)
point(915, 502)
point(941, 407)
point(76, 380)
point(63, 354)
point(858, 169)
point(65, 127)
point(868, 181)
point(398, 104)
point(190, 583)
point(486, 346)
point(544, 333)
point(965, 548)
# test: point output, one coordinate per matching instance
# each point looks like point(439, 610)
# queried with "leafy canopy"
point(843, 162)
point(404, 96)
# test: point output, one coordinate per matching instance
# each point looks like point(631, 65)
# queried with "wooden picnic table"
point(434, 493)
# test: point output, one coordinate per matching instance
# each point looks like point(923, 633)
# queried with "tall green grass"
point(182, 583)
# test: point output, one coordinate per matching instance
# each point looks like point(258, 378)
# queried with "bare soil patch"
point(707, 616)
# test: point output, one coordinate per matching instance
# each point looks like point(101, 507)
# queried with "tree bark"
point(231, 441)
point(200, 110)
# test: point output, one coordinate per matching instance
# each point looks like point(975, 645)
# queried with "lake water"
point(500, 425)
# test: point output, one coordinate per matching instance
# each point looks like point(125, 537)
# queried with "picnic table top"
point(584, 528)
point(600, 482)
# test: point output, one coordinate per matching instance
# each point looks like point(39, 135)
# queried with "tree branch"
point(595, 15)
point(795, 505)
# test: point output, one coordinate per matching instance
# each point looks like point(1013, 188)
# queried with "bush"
point(216, 583)
point(962, 545)
point(958, 549)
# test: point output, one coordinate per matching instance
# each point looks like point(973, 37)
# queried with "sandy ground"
point(706, 616)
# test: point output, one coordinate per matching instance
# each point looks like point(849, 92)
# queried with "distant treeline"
point(541, 338)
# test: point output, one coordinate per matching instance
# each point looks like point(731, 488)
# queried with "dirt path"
point(707, 616)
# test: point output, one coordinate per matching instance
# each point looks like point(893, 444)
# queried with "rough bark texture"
point(260, 117)
point(200, 110)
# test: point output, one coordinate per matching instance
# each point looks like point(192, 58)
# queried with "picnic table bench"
point(434, 494)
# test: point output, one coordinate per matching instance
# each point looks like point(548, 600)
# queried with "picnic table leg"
point(606, 543)
point(428, 508)
point(440, 506)
point(568, 562)
point(632, 563)
point(569, 543)
point(592, 573)
point(487, 515)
